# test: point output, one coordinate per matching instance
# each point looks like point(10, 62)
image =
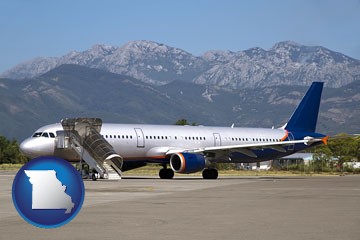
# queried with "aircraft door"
point(140, 137)
point(217, 139)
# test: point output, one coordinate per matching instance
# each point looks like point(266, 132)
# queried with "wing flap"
point(254, 146)
point(278, 146)
point(246, 148)
point(247, 152)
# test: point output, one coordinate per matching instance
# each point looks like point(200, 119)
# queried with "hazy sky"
point(32, 28)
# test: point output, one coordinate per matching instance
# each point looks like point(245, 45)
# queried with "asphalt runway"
point(193, 208)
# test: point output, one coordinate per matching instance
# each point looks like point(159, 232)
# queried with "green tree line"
point(185, 122)
point(10, 152)
point(340, 149)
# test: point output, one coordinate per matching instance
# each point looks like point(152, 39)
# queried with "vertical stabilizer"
point(304, 118)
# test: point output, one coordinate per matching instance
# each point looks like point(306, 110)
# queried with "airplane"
point(190, 149)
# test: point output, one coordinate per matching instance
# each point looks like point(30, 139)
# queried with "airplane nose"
point(36, 147)
point(26, 147)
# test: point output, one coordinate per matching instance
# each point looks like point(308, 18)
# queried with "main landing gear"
point(210, 173)
point(207, 173)
point(166, 173)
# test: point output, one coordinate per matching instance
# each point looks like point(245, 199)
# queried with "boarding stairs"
point(82, 135)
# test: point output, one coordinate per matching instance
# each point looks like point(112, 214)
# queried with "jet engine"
point(187, 162)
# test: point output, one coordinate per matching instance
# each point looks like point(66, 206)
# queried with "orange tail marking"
point(325, 140)
point(286, 135)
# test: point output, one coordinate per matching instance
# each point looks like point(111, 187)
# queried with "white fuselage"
point(137, 141)
point(150, 142)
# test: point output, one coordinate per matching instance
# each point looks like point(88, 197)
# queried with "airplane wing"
point(247, 148)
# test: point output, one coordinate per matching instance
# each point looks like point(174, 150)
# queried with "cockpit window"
point(37, 134)
point(45, 134)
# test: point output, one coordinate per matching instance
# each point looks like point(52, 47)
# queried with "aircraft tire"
point(166, 173)
point(210, 173)
point(214, 173)
point(93, 177)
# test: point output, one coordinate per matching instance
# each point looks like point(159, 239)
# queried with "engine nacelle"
point(187, 162)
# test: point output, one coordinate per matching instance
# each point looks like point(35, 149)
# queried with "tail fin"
point(304, 118)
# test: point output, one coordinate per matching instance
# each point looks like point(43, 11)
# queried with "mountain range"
point(286, 63)
point(72, 90)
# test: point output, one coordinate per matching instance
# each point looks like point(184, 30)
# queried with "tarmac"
point(193, 208)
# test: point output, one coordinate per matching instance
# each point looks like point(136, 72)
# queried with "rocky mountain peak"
point(145, 46)
point(102, 49)
point(218, 56)
point(155, 63)
point(287, 45)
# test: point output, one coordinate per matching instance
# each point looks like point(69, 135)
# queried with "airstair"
point(82, 135)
